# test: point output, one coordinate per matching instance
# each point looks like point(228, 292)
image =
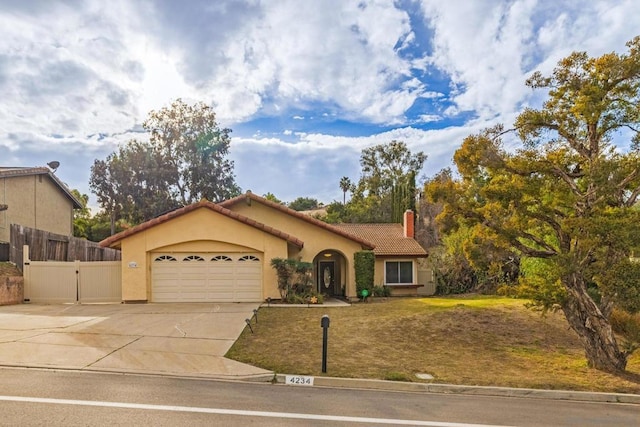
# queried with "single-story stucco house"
point(208, 252)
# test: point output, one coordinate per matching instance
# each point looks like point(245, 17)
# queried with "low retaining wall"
point(11, 290)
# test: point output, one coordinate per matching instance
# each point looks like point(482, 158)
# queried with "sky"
point(305, 86)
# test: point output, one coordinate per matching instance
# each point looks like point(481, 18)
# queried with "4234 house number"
point(298, 380)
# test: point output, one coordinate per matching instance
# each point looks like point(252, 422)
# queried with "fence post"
point(26, 273)
point(76, 265)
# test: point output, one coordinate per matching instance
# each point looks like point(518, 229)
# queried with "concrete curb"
point(368, 384)
point(399, 386)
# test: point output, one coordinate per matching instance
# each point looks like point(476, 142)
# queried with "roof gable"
point(250, 197)
point(11, 172)
point(110, 241)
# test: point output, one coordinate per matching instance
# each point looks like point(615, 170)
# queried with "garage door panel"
point(207, 277)
point(166, 296)
point(221, 271)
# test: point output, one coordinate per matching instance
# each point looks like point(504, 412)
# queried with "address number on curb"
point(298, 380)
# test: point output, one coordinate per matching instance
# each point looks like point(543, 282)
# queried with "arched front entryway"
point(329, 268)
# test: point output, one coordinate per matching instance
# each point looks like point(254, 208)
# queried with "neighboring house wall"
point(201, 230)
point(34, 201)
point(316, 239)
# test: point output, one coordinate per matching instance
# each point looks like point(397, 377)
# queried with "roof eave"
point(249, 196)
point(114, 241)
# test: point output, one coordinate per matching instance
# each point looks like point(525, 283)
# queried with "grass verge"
point(473, 341)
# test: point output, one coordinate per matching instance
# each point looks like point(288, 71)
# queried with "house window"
point(397, 272)
point(193, 258)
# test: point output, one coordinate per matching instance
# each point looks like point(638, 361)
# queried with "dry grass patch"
point(473, 341)
point(8, 269)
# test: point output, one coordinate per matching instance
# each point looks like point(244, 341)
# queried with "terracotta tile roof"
point(109, 241)
point(388, 239)
point(367, 244)
point(10, 172)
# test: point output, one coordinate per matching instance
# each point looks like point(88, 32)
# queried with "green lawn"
point(472, 341)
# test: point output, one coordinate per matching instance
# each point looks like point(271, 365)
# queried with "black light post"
point(325, 329)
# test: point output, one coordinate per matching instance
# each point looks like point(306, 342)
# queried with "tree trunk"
point(593, 329)
point(112, 222)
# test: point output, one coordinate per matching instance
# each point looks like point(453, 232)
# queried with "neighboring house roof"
point(332, 228)
point(12, 172)
point(388, 239)
point(316, 213)
point(109, 241)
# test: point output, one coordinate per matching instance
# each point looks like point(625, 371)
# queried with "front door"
point(326, 277)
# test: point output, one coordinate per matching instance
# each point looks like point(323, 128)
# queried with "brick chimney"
point(408, 223)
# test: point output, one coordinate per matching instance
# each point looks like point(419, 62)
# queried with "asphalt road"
point(69, 398)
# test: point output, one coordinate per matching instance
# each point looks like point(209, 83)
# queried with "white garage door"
point(206, 277)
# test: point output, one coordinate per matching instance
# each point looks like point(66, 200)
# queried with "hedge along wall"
point(364, 263)
point(11, 290)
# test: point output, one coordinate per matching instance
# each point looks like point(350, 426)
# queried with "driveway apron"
point(170, 339)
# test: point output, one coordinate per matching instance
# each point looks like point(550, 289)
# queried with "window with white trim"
point(398, 272)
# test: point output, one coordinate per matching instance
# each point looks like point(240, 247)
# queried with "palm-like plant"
point(345, 185)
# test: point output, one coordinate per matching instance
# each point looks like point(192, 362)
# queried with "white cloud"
point(428, 118)
point(77, 78)
point(489, 48)
point(332, 51)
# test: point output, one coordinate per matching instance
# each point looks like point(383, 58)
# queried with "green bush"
point(285, 269)
point(381, 291)
point(628, 326)
point(295, 281)
point(364, 264)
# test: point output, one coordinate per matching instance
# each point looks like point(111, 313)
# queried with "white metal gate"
point(64, 282)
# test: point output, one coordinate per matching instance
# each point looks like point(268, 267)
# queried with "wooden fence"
point(4, 252)
point(46, 246)
point(58, 282)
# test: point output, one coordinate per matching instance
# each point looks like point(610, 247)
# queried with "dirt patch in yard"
point(8, 269)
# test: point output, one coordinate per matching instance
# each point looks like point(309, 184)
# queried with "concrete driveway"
point(170, 339)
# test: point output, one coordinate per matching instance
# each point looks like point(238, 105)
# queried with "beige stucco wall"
point(37, 202)
point(316, 239)
point(202, 230)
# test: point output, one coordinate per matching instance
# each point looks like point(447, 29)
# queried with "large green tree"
point(304, 204)
point(184, 161)
point(194, 148)
point(461, 262)
point(133, 183)
point(386, 187)
point(82, 216)
point(566, 196)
